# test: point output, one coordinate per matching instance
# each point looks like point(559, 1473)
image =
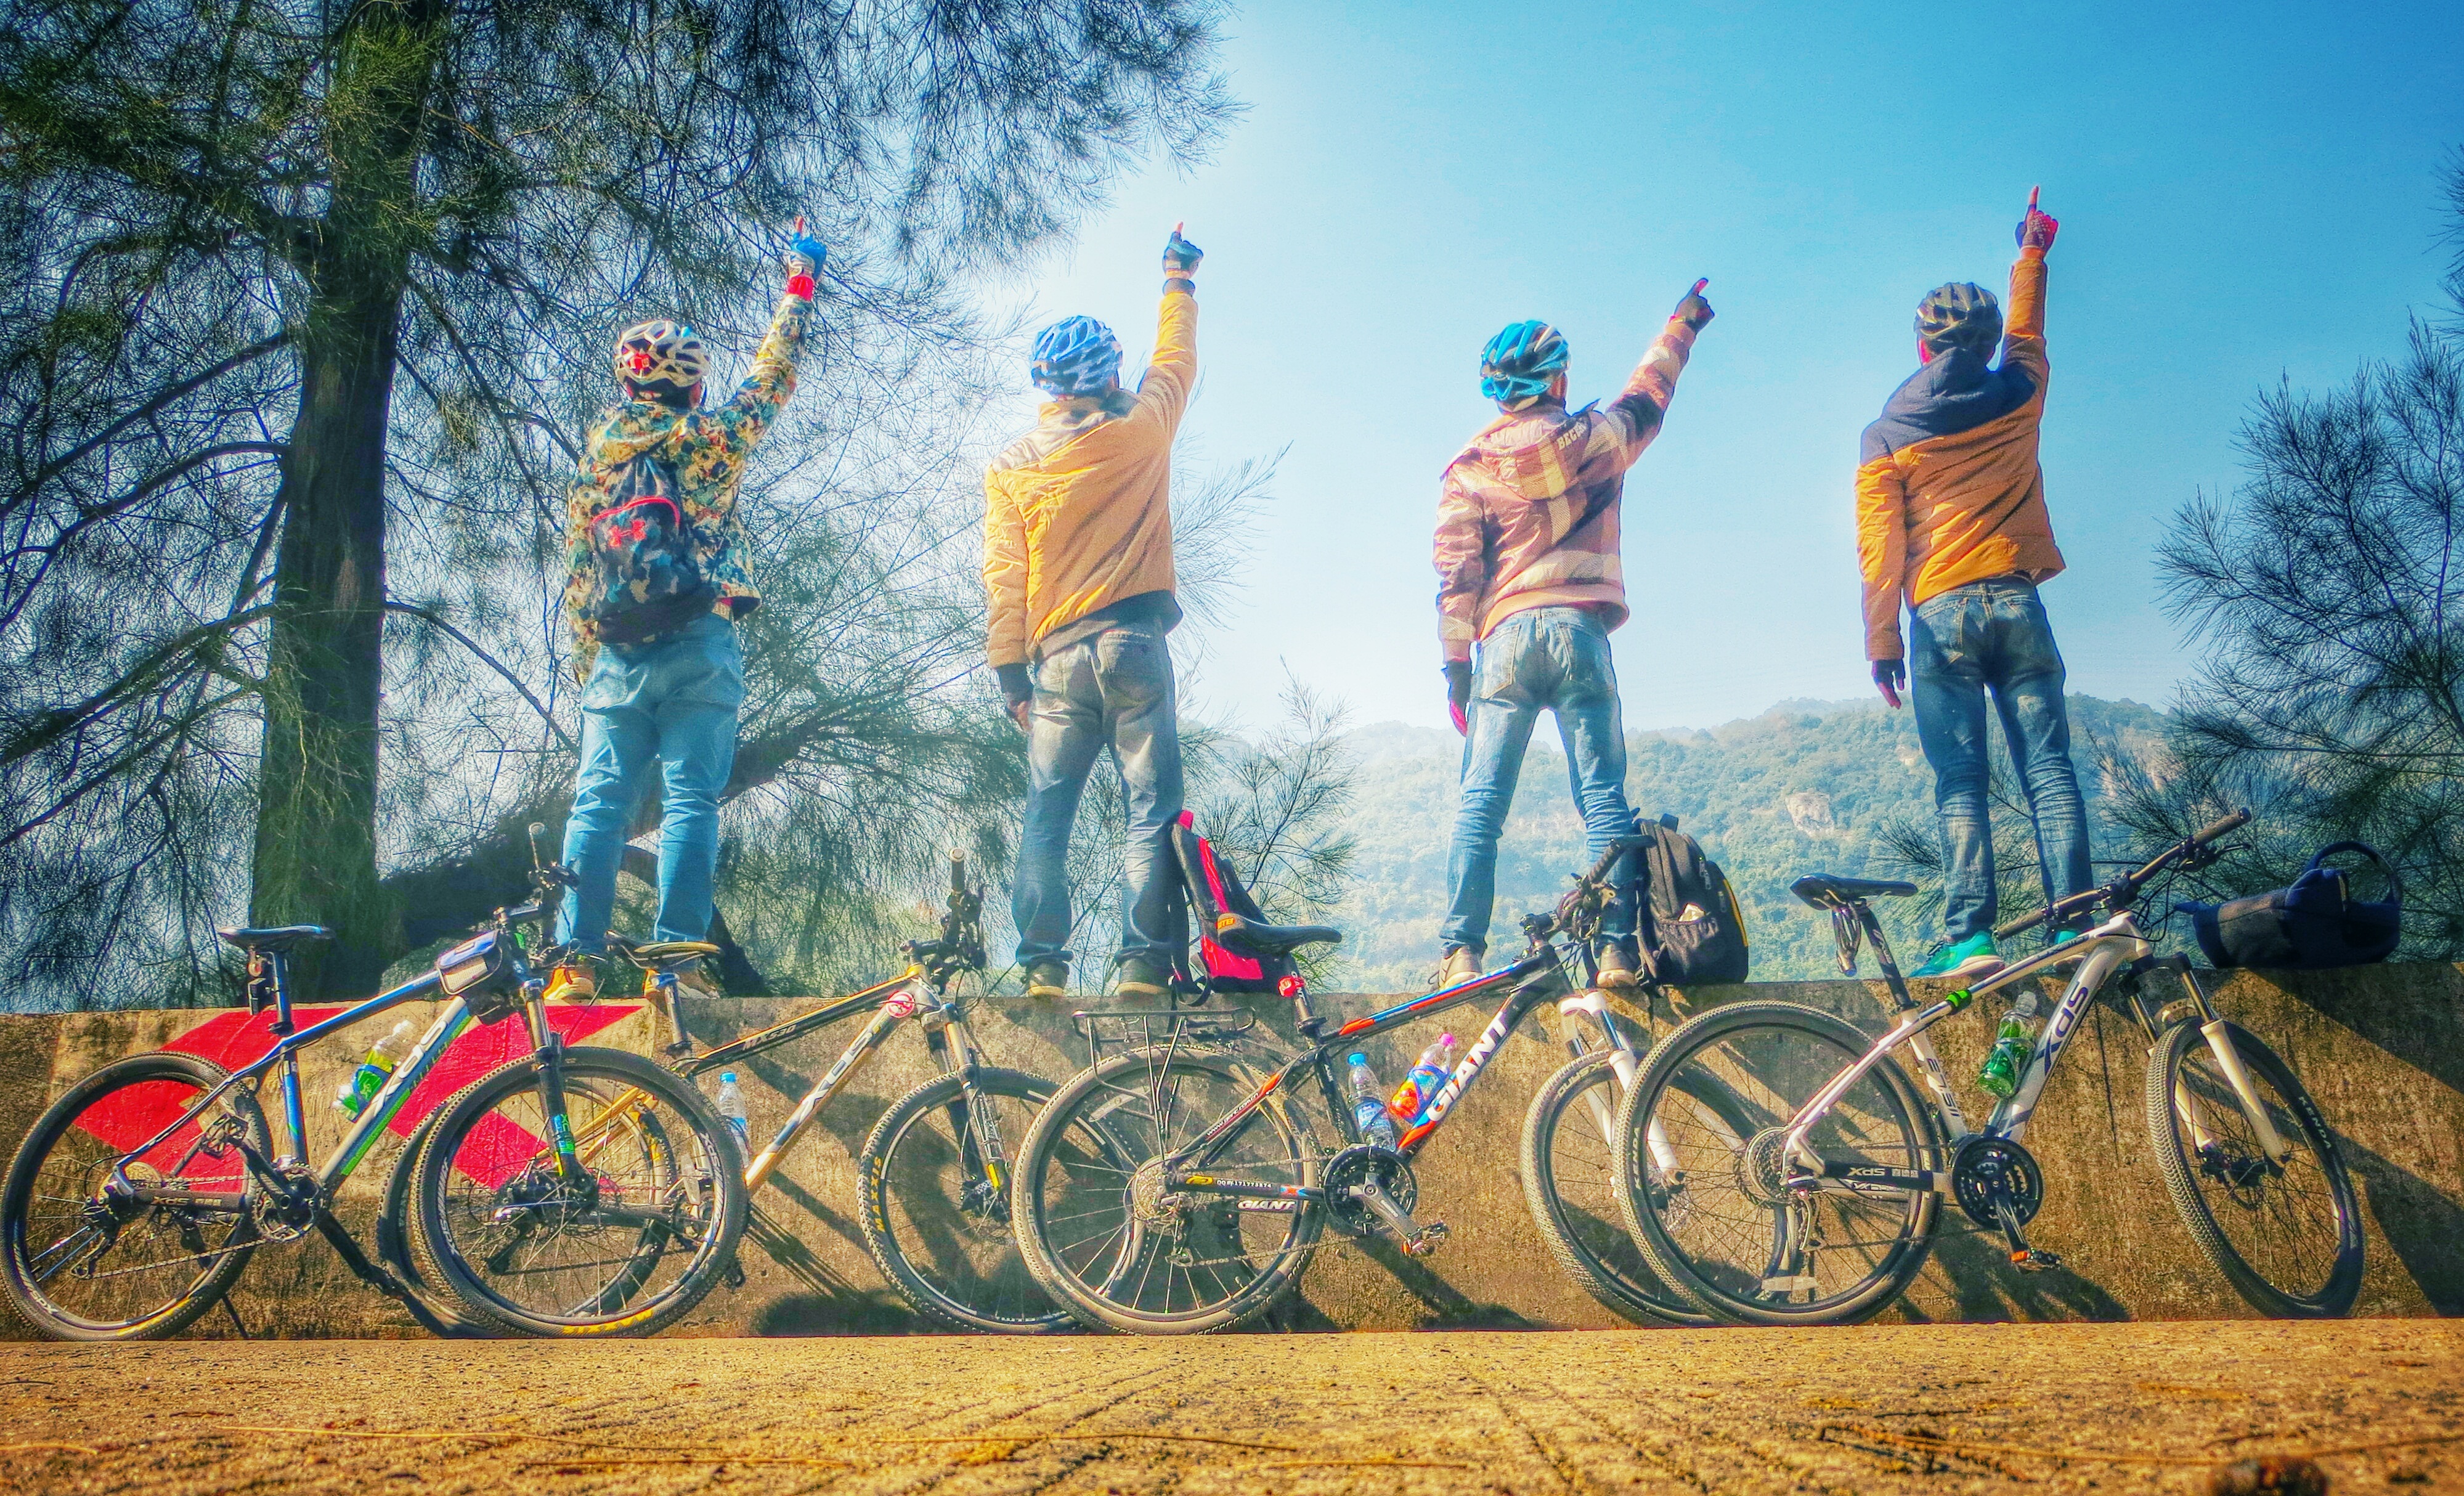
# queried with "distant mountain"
point(1802, 788)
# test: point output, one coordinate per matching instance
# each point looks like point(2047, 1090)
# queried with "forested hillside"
point(1806, 786)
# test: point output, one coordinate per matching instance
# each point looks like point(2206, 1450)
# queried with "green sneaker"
point(1973, 956)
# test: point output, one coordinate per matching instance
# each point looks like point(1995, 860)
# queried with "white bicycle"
point(1813, 1192)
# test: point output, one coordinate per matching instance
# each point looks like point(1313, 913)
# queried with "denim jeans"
point(1113, 688)
point(673, 703)
point(1544, 658)
point(1993, 636)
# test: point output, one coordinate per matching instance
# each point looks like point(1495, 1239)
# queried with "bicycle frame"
point(892, 1001)
point(1536, 978)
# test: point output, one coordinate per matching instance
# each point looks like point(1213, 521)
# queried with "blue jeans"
point(1993, 635)
point(1113, 688)
point(1556, 659)
point(671, 702)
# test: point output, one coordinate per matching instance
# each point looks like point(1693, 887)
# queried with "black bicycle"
point(1176, 1187)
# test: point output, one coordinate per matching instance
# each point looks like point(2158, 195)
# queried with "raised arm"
point(1163, 395)
point(1636, 415)
point(2023, 339)
point(767, 388)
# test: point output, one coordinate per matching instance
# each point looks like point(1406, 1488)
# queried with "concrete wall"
point(2382, 1049)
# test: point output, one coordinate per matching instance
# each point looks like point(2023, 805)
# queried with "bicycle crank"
point(1369, 1187)
point(1999, 1187)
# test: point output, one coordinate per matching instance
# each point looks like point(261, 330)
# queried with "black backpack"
point(651, 581)
point(1215, 889)
point(2313, 925)
point(1687, 925)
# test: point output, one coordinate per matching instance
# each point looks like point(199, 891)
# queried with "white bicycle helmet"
point(661, 355)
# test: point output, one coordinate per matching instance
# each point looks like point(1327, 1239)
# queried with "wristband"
point(800, 286)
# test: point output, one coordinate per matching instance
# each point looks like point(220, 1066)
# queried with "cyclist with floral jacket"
point(663, 688)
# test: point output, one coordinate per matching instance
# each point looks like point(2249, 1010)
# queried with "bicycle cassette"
point(1359, 1164)
point(1991, 1170)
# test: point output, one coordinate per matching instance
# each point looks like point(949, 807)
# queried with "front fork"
point(2219, 1037)
point(548, 1046)
point(1623, 1061)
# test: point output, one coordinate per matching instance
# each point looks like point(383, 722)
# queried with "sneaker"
point(1138, 977)
point(574, 981)
point(1462, 963)
point(1049, 980)
point(1616, 967)
point(1973, 956)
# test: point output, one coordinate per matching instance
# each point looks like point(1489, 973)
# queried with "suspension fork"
point(2219, 1037)
point(548, 1047)
point(1624, 1062)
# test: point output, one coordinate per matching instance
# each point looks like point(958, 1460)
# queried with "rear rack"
point(1148, 1028)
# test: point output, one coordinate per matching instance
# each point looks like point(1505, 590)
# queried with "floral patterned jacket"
point(707, 449)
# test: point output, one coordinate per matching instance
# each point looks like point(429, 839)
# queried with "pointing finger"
point(2031, 196)
point(1699, 285)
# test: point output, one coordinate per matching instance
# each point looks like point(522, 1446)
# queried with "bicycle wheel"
point(626, 1246)
point(935, 1207)
point(81, 1266)
point(1724, 1215)
point(1569, 1178)
point(1105, 1238)
point(2287, 1234)
point(436, 1311)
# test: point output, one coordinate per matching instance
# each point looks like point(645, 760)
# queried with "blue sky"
point(2247, 192)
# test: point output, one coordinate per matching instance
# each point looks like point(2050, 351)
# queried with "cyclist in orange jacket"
point(1951, 518)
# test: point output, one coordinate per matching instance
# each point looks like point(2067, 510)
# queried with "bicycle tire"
point(429, 1305)
point(114, 1087)
point(707, 1170)
point(2233, 1174)
point(987, 1306)
point(1650, 1209)
point(1091, 1125)
point(1606, 1265)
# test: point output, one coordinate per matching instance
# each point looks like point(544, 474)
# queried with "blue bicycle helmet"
point(1076, 356)
point(1960, 314)
point(1518, 362)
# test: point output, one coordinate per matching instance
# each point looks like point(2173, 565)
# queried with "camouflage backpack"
point(651, 581)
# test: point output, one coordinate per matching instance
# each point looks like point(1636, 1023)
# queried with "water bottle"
point(353, 1095)
point(1369, 1106)
point(2011, 1045)
point(1420, 1086)
point(731, 1106)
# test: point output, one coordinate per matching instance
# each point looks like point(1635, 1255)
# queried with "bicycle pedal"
point(1426, 1241)
point(734, 1276)
point(2036, 1260)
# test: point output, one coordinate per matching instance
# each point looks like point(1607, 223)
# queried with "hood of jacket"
point(1958, 391)
point(1535, 452)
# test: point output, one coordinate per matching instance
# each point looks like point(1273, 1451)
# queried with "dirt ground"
point(1895, 1408)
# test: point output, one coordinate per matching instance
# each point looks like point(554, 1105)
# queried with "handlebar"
point(2123, 890)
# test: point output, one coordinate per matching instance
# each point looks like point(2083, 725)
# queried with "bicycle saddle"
point(1249, 937)
point(274, 938)
point(663, 953)
point(1822, 890)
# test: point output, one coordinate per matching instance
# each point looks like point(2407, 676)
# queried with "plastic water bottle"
point(353, 1095)
point(1369, 1104)
point(1421, 1086)
point(731, 1106)
point(2013, 1043)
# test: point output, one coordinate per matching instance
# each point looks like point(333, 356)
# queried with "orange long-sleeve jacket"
point(1078, 512)
point(1949, 490)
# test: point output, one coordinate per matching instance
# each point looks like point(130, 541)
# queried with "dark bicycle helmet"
point(1076, 356)
point(1516, 367)
point(1960, 314)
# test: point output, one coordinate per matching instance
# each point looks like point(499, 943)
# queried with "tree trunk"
point(315, 855)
